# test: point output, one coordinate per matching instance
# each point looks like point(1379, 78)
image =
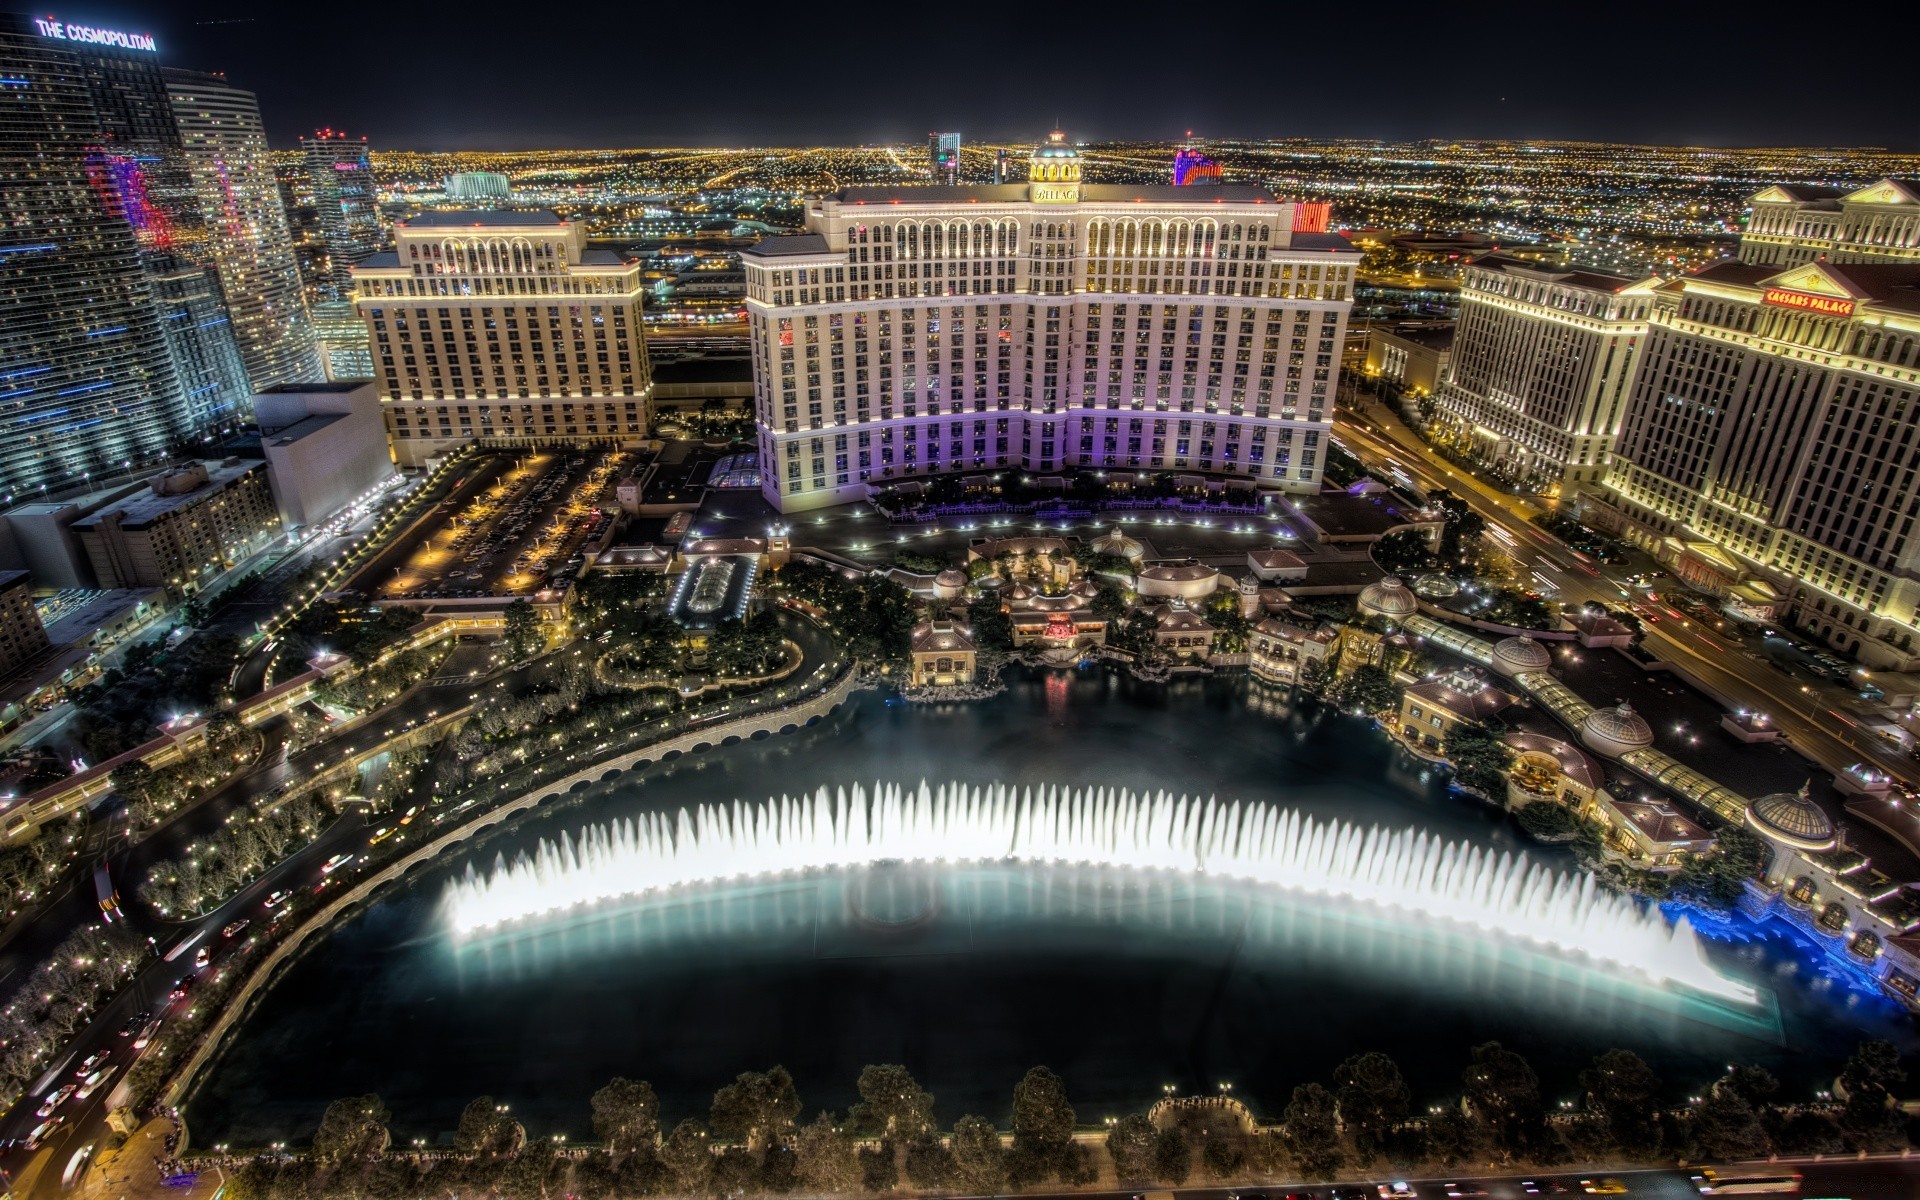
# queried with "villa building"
point(943, 654)
point(1432, 710)
point(1281, 652)
point(1049, 325)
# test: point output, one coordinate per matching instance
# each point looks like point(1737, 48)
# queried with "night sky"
point(492, 75)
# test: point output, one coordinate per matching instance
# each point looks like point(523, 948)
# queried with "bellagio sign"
point(1826, 306)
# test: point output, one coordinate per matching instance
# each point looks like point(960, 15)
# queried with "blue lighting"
point(106, 332)
point(83, 390)
point(28, 249)
point(26, 371)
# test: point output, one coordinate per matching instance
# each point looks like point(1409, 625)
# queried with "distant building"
point(943, 157)
point(226, 149)
point(1540, 366)
point(21, 637)
point(1797, 223)
point(478, 185)
point(1281, 652)
point(943, 654)
point(341, 333)
point(326, 447)
point(1768, 438)
point(503, 327)
point(341, 177)
point(191, 523)
point(1410, 358)
point(1051, 325)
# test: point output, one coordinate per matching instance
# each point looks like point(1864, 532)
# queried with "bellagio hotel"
point(502, 327)
point(1054, 324)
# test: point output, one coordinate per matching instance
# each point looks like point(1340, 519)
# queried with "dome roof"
point(1056, 146)
point(951, 577)
point(1519, 655)
point(1020, 591)
point(1793, 818)
point(1615, 731)
point(1388, 598)
point(1116, 542)
point(1086, 587)
point(1184, 572)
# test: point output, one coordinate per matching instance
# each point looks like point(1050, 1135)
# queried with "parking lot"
point(519, 530)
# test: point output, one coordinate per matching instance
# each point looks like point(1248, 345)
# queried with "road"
point(1803, 714)
point(1880, 1179)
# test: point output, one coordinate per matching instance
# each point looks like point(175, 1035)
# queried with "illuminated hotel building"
point(86, 381)
point(1769, 452)
point(341, 178)
point(943, 157)
point(1047, 325)
point(252, 248)
point(1541, 361)
point(503, 327)
point(1797, 223)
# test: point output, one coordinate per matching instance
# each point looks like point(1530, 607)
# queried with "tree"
point(1452, 1137)
point(1222, 1158)
point(1870, 1120)
point(1724, 1125)
point(929, 1163)
point(1504, 1093)
point(891, 1103)
point(1368, 689)
point(523, 637)
point(132, 780)
point(879, 1172)
point(1172, 1157)
point(1312, 1133)
point(687, 1158)
point(626, 1115)
point(979, 1160)
point(825, 1161)
point(484, 1128)
point(1372, 1098)
point(992, 628)
point(1623, 1089)
point(352, 1129)
point(1042, 1118)
point(1480, 759)
point(1130, 1143)
point(735, 1172)
point(757, 1107)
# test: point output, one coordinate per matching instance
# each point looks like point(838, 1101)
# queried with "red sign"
point(1826, 306)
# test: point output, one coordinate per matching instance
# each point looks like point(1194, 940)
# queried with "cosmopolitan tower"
point(1046, 325)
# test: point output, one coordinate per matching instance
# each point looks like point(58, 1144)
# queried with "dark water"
point(1122, 982)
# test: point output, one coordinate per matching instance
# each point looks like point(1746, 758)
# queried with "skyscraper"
point(943, 157)
point(206, 359)
point(1768, 453)
point(1140, 327)
point(503, 327)
point(252, 249)
point(86, 380)
point(342, 181)
point(1538, 375)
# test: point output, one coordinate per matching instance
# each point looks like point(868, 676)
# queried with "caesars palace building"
point(916, 330)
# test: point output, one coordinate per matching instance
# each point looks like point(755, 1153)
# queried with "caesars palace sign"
point(1826, 306)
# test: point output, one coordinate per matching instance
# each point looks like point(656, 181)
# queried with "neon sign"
point(1826, 306)
point(94, 36)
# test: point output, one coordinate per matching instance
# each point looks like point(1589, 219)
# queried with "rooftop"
point(308, 389)
point(511, 218)
point(1586, 277)
point(1893, 286)
point(788, 245)
point(141, 509)
point(1092, 193)
point(304, 428)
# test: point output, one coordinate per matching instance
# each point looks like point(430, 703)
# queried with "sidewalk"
point(134, 1170)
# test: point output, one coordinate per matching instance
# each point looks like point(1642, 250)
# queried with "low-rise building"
point(1280, 651)
point(326, 447)
point(1410, 358)
point(21, 637)
point(943, 654)
point(1181, 632)
point(1648, 833)
point(189, 525)
point(1546, 768)
point(1433, 709)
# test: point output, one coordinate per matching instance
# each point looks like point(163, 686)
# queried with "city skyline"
point(1395, 80)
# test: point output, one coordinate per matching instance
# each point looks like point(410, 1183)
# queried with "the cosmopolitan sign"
point(94, 36)
point(1826, 306)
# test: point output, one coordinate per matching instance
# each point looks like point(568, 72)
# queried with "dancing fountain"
point(1501, 894)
